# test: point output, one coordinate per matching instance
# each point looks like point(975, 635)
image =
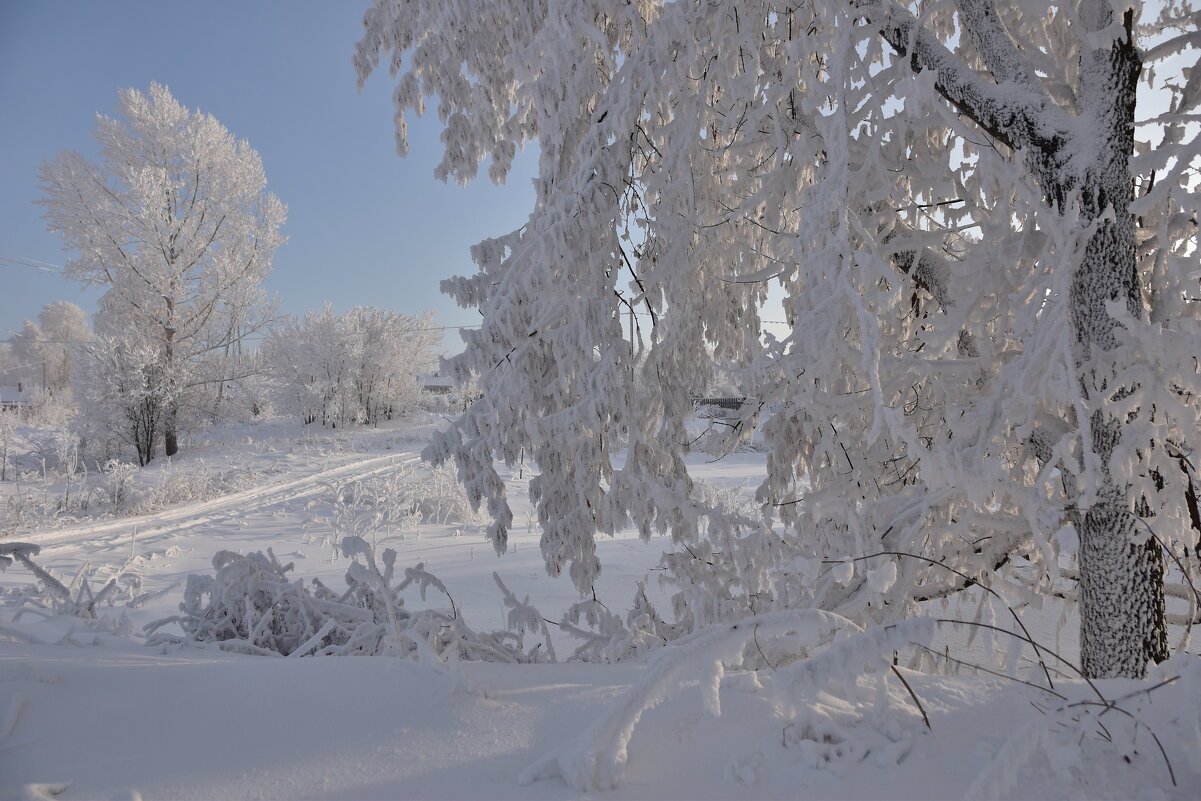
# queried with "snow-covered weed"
point(202, 483)
point(115, 483)
point(376, 509)
point(385, 507)
point(443, 499)
point(250, 605)
point(75, 598)
point(38, 504)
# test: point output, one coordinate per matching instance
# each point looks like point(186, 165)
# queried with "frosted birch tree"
point(984, 238)
point(175, 222)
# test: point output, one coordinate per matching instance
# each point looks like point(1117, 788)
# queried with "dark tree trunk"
point(1122, 622)
point(1121, 589)
point(171, 407)
point(170, 434)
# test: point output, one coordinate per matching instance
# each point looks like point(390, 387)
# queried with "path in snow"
point(117, 533)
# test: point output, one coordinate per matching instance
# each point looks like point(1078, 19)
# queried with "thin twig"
point(913, 695)
point(983, 669)
point(755, 637)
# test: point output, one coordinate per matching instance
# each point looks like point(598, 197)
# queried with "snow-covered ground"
point(89, 710)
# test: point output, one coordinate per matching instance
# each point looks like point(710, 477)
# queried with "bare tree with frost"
point(176, 223)
point(981, 217)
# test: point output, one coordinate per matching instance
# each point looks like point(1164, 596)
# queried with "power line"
point(22, 366)
point(255, 338)
point(36, 264)
point(262, 337)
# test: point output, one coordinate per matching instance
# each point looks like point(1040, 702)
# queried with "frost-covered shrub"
point(443, 500)
point(190, 486)
point(251, 606)
point(115, 478)
point(74, 598)
point(386, 506)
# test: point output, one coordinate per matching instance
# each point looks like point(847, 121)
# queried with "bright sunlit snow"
point(89, 710)
point(825, 422)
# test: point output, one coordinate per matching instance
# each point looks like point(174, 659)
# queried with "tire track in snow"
point(214, 510)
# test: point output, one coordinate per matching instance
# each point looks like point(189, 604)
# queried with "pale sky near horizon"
point(365, 227)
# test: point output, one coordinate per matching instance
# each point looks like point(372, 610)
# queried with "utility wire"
point(261, 337)
point(36, 264)
point(255, 338)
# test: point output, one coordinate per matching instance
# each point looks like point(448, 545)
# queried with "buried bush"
point(251, 606)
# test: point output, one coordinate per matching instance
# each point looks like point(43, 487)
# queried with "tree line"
point(175, 223)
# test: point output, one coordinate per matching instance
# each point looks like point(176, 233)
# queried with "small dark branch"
point(920, 206)
point(694, 556)
point(1016, 122)
point(755, 638)
point(913, 695)
point(646, 301)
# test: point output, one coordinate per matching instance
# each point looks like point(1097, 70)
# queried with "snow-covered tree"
point(360, 367)
point(48, 350)
point(26, 355)
point(123, 397)
point(175, 222)
point(982, 219)
point(66, 328)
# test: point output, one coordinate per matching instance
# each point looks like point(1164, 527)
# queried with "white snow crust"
point(89, 710)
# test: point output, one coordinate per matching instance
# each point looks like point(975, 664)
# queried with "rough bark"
point(1122, 620)
point(1123, 623)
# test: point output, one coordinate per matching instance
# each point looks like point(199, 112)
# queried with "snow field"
point(89, 713)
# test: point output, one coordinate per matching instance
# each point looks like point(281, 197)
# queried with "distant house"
point(733, 404)
point(437, 384)
point(14, 397)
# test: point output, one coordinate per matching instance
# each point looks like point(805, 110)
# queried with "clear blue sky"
point(365, 227)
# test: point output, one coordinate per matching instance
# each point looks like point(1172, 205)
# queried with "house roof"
point(11, 396)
